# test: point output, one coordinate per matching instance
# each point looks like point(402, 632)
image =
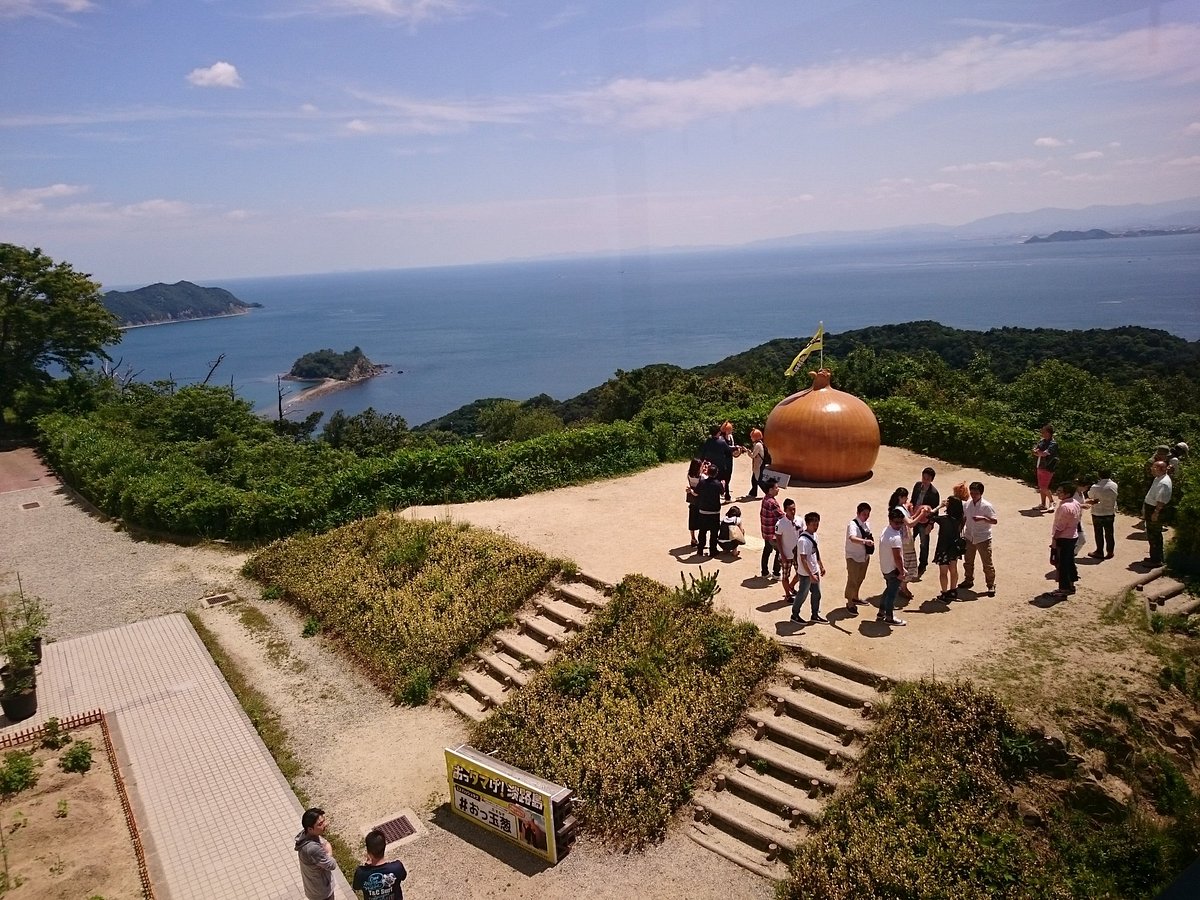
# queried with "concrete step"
point(846, 669)
point(502, 667)
point(481, 685)
point(801, 736)
point(841, 723)
point(804, 772)
point(464, 704)
point(746, 821)
point(712, 838)
point(829, 686)
point(772, 794)
point(580, 594)
point(546, 632)
point(571, 617)
point(520, 646)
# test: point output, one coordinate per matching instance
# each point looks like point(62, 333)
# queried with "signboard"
point(505, 800)
point(782, 477)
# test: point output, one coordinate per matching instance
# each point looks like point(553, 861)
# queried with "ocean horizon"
point(457, 334)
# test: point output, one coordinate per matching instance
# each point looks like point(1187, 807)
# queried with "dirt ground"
point(66, 836)
point(639, 524)
point(366, 759)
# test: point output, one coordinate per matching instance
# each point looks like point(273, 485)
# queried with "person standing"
point(891, 562)
point(810, 569)
point(693, 481)
point(769, 514)
point(1102, 500)
point(860, 544)
point(757, 451)
point(978, 518)
point(316, 856)
point(708, 511)
point(787, 536)
point(1063, 536)
point(717, 452)
point(1175, 461)
point(1046, 451)
point(377, 879)
point(949, 548)
point(734, 452)
point(924, 494)
point(1156, 501)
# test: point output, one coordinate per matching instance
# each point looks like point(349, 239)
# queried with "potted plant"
point(18, 691)
point(22, 618)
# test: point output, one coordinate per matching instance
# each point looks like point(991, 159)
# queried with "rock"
point(1052, 747)
point(1106, 799)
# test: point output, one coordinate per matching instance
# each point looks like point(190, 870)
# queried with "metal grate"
point(32, 505)
point(217, 599)
point(397, 828)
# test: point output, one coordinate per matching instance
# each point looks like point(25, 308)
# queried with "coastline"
point(182, 321)
point(326, 386)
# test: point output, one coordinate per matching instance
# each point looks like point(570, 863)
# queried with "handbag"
point(737, 534)
point(1054, 555)
point(864, 534)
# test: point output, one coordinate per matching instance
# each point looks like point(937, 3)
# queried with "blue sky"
point(195, 139)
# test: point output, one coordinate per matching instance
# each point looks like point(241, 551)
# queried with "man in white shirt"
point(978, 518)
point(891, 562)
point(787, 535)
point(1157, 498)
point(810, 569)
point(1102, 501)
point(860, 544)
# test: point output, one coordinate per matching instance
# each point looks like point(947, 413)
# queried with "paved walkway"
point(216, 815)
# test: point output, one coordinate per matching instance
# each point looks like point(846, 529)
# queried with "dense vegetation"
point(329, 364)
point(172, 303)
point(405, 599)
point(636, 707)
point(932, 814)
point(196, 461)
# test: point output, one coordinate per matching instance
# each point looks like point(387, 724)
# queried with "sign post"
point(529, 811)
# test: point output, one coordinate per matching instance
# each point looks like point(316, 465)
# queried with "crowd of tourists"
point(963, 524)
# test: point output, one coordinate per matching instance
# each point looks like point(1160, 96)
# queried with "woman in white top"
point(899, 501)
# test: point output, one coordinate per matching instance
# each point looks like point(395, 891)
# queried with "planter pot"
point(8, 678)
point(18, 707)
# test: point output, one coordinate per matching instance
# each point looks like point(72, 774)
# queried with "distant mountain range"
point(1171, 216)
point(1099, 234)
point(179, 302)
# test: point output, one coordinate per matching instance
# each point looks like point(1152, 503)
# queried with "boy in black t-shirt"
point(379, 880)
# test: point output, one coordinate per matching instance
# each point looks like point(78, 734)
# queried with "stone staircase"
point(785, 760)
point(551, 619)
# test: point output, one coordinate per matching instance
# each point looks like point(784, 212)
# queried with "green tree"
point(49, 315)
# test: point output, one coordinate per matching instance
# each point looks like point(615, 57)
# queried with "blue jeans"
point(887, 603)
point(807, 587)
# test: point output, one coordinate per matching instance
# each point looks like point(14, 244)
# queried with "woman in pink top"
point(1066, 530)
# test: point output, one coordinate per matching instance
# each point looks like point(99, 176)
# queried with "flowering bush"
point(636, 708)
point(405, 599)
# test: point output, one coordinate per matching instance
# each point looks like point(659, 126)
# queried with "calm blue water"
point(560, 327)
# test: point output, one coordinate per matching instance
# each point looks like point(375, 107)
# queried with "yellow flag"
point(814, 344)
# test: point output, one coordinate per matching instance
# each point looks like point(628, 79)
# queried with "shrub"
point(77, 759)
point(406, 599)
point(637, 708)
point(55, 737)
point(19, 772)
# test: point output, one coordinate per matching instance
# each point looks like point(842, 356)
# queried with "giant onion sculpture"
point(822, 434)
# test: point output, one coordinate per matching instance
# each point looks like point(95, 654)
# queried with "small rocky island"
point(333, 370)
point(1099, 234)
point(159, 304)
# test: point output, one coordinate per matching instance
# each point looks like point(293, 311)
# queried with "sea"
point(517, 329)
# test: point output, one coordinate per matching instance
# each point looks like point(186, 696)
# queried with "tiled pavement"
point(217, 817)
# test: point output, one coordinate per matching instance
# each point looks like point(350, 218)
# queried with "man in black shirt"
point(924, 494)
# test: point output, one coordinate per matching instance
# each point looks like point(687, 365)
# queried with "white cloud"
point(1088, 154)
point(1048, 142)
point(946, 187)
point(1011, 165)
point(1185, 161)
point(219, 74)
point(27, 200)
point(46, 9)
point(1087, 177)
point(973, 66)
point(411, 11)
point(309, 108)
point(1192, 129)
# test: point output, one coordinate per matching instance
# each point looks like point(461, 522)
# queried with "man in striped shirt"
point(769, 515)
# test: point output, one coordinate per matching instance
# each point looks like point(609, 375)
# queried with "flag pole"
point(821, 329)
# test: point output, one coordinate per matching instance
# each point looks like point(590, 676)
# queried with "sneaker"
point(991, 592)
point(852, 609)
point(881, 618)
point(819, 619)
point(1096, 555)
point(895, 622)
point(797, 619)
point(1108, 556)
point(967, 585)
point(765, 575)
